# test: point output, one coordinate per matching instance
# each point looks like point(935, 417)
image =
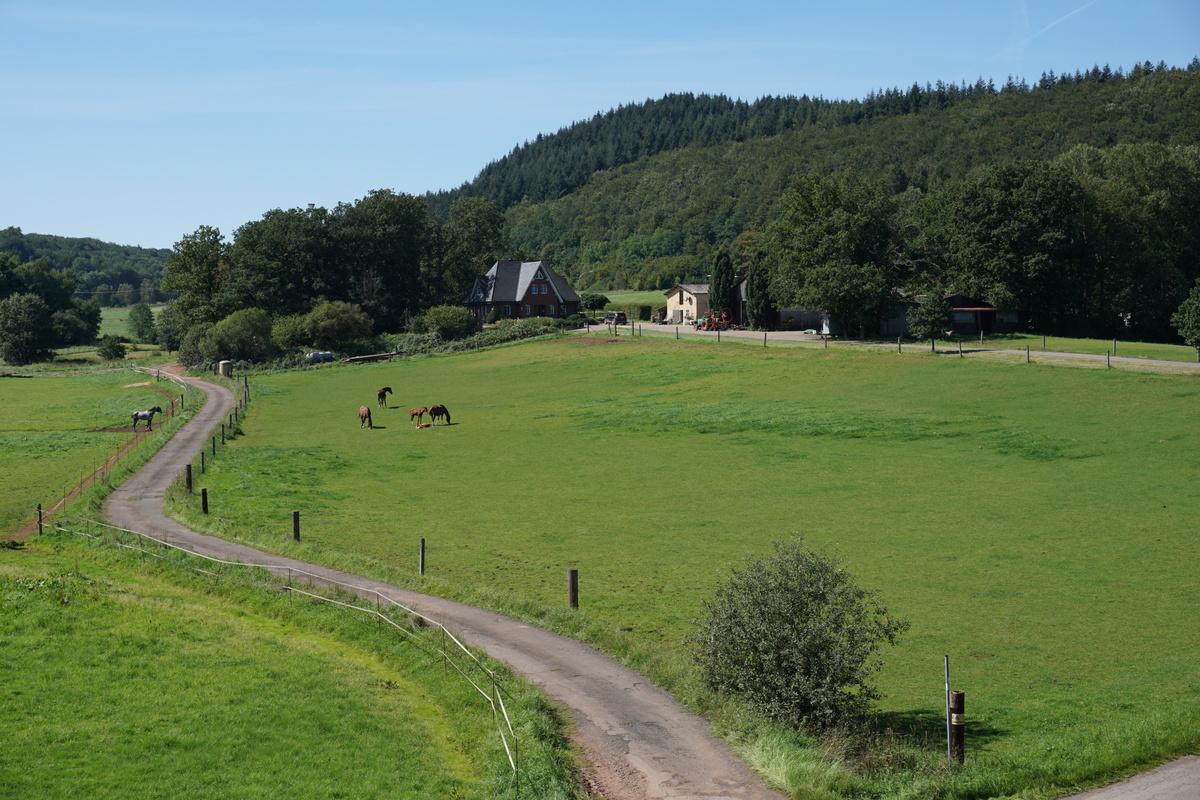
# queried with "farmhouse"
point(521, 289)
point(687, 301)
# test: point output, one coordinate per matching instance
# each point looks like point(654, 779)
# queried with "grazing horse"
point(147, 415)
point(364, 417)
point(437, 412)
point(417, 414)
point(381, 396)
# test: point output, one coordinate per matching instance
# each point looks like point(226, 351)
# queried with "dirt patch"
point(605, 775)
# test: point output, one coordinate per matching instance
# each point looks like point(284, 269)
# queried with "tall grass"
point(1032, 522)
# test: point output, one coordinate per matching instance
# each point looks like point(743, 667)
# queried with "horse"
point(416, 413)
point(364, 417)
point(381, 396)
point(437, 412)
point(147, 415)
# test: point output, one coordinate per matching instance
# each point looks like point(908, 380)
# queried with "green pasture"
point(1034, 523)
point(654, 298)
point(131, 680)
point(114, 320)
point(52, 432)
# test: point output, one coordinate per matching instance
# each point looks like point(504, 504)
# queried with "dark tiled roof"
point(508, 281)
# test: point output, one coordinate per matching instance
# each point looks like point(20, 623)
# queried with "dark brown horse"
point(381, 396)
point(364, 417)
point(416, 414)
point(438, 412)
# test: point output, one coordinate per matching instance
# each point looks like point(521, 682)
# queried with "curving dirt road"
point(641, 743)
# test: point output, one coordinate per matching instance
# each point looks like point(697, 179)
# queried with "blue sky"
point(137, 122)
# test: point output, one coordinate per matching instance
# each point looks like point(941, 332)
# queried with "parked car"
point(615, 318)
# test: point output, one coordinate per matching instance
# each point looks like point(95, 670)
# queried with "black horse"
point(147, 415)
point(381, 396)
point(438, 412)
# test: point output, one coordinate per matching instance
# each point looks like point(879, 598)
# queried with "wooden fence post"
point(296, 525)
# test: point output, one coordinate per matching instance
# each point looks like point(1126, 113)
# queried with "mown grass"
point(52, 432)
point(1033, 522)
point(139, 679)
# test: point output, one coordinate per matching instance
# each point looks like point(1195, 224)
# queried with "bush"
point(796, 638)
point(449, 322)
point(331, 324)
point(244, 335)
point(288, 332)
point(111, 348)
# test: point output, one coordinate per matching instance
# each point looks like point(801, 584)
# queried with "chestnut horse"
point(417, 414)
point(381, 396)
point(364, 417)
point(437, 412)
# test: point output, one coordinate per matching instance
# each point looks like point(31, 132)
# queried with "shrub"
point(493, 315)
point(244, 335)
point(795, 637)
point(288, 332)
point(111, 348)
point(449, 322)
point(331, 324)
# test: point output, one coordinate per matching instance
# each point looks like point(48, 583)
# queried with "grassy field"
point(138, 680)
point(52, 432)
point(1035, 523)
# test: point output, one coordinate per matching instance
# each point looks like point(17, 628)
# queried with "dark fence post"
point(296, 525)
point(421, 558)
point(204, 501)
point(188, 478)
point(958, 724)
point(201, 462)
point(573, 588)
point(39, 519)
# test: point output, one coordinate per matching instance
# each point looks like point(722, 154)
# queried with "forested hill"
point(96, 264)
point(642, 195)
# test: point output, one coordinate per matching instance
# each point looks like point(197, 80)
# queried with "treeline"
point(650, 224)
point(554, 166)
point(1098, 243)
point(325, 276)
point(40, 311)
point(111, 274)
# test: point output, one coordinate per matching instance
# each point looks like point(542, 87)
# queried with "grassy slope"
point(122, 684)
point(1032, 522)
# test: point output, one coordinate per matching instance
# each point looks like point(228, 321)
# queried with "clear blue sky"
point(137, 122)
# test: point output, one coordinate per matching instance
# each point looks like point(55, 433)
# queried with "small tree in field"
point(111, 349)
point(927, 319)
point(795, 637)
point(1186, 319)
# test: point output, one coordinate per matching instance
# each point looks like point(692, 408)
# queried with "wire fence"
point(453, 652)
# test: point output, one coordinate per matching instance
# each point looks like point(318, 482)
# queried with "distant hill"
point(95, 263)
point(641, 196)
